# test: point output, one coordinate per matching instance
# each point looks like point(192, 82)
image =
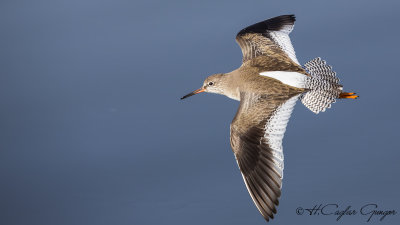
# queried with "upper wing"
point(269, 37)
point(256, 139)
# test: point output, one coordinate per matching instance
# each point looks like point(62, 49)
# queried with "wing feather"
point(256, 139)
point(269, 37)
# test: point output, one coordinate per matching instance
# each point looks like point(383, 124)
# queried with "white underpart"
point(282, 39)
point(275, 129)
point(290, 78)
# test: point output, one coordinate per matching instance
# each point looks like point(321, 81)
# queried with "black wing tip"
point(273, 24)
point(270, 216)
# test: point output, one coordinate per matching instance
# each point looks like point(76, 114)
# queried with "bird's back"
point(248, 79)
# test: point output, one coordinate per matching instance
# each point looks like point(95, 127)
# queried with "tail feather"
point(323, 86)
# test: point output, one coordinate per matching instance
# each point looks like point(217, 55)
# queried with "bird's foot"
point(351, 95)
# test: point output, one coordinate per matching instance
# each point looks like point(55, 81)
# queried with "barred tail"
point(323, 85)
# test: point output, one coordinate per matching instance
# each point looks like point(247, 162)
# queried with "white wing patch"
point(275, 129)
point(282, 39)
point(290, 78)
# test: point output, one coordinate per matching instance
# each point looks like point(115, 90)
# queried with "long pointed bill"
point(194, 92)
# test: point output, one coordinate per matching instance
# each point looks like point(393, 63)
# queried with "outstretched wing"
point(269, 37)
point(256, 139)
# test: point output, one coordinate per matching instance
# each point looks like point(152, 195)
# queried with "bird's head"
point(212, 84)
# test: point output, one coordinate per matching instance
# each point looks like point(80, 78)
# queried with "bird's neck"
point(230, 87)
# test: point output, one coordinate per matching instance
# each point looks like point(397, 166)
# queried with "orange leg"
point(348, 95)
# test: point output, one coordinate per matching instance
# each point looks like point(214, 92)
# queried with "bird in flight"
point(268, 84)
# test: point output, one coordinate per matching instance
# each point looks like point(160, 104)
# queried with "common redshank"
point(268, 84)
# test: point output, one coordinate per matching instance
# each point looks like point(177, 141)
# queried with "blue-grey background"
point(92, 130)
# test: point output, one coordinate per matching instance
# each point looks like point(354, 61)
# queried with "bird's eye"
point(211, 83)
